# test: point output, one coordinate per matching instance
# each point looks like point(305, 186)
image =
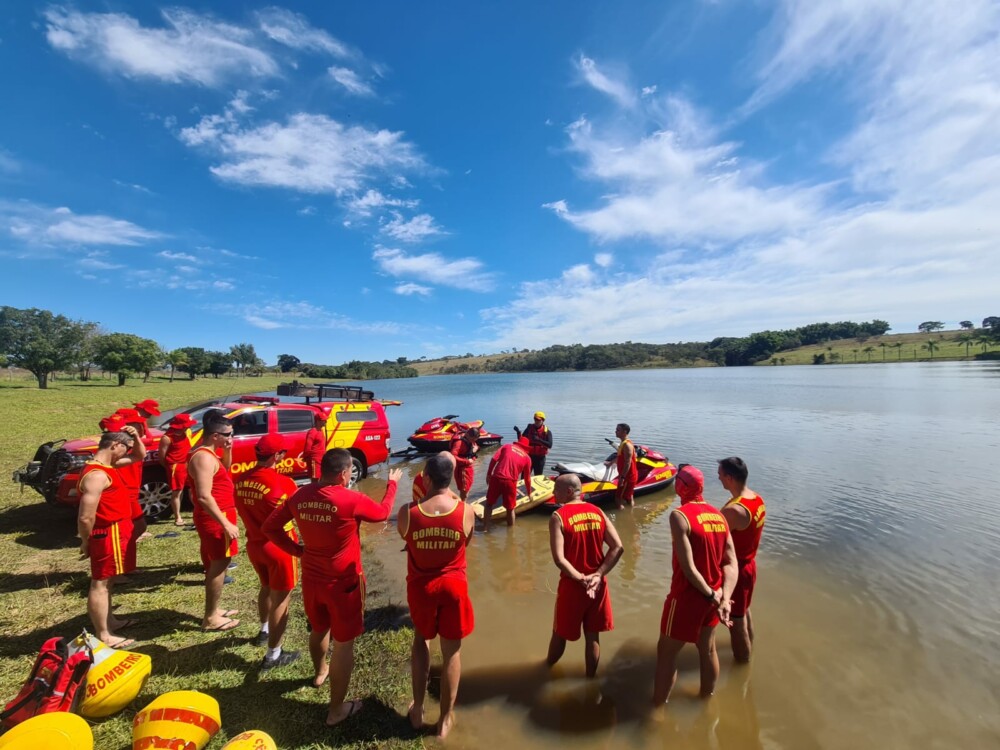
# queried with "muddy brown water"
point(876, 608)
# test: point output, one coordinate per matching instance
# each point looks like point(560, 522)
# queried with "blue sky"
point(373, 180)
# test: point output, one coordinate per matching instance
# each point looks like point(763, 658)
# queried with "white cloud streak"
point(593, 76)
point(408, 289)
point(417, 229)
point(295, 31)
point(34, 224)
point(351, 81)
point(433, 268)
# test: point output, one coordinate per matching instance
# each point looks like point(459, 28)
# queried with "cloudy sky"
point(373, 180)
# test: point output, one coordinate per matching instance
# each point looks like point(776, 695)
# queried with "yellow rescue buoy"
point(55, 731)
point(251, 740)
point(114, 679)
point(182, 718)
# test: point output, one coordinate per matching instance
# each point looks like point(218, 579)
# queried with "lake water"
point(877, 605)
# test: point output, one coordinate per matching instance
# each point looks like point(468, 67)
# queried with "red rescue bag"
point(53, 685)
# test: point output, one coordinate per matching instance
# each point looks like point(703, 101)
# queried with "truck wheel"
point(357, 470)
point(154, 498)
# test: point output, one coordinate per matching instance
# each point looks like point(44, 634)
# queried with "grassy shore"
point(43, 589)
point(898, 347)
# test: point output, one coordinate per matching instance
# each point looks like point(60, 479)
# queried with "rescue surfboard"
point(541, 492)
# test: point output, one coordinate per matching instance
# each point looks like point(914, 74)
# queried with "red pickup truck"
point(356, 421)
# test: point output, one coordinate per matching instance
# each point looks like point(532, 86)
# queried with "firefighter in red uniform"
point(539, 442)
point(578, 533)
point(328, 516)
point(704, 574)
point(745, 513)
point(315, 446)
point(148, 408)
point(628, 472)
point(421, 483)
point(464, 448)
point(175, 445)
point(132, 474)
point(508, 464)
point(104, 524)
point(211, 486)
point(436, 531)
point(258, 493)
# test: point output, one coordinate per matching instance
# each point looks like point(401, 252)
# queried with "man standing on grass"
point(508, 464)
point(258, 493)
point(215, 514)
point(437, 530)
point(175, 445)
point(745, 513)
point(132, 475)
point(704, 574)
point(578, 534)
point(328, 516)
point(104, 524)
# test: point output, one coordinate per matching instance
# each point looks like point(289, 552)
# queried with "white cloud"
point(407, 289)
point(95, 263)
point(417, 229)
point(134, 186)
point(648, 90)
point(604, 260)
point(308, 153)
point(189, 48)
point(8, 164)
point(59, 227)
point(181, 257)
point(464, 273)
point(275, 314)
point(606, 84)
point(373, 200)
point(295, 31)
point(350, 81)
point(307, 211)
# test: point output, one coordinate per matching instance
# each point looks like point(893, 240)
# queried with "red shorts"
point(177, 474)
point(314, 466)
point(574, 609)
point(505, 489)
point(336, 605)
point(111, 554)
point(686, 614)
point(275, 568)
point(626, 489)
point(213, 539)
point(464, 477)
point(441, 606)
point(743, 592)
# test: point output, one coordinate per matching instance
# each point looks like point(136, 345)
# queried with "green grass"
point(43, 593)
point(913, 349)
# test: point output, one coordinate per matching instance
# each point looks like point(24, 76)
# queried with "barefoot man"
point(510, 463)
point(578, 533)
point(704, 574)
point(436, 531)
point(104, 524)
point(464, 448)
point(175, 445)
point(215, 514)
point(328, 516)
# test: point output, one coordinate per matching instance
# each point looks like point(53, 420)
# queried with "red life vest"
point(534, 449)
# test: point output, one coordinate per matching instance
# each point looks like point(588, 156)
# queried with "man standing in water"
point(508, 464)
point(215, 514)
point(464, 448)
point(704, 574)
point(539, 442)
point(436, 531)
point(578, 533)
point(745, 513)
point(628, 472)
point(328, 516)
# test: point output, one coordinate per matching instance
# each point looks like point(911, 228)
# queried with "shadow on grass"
point(387, 618)
point(41, 525)
point(11, 582)
point(143, 580)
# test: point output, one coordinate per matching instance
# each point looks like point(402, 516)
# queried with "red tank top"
point(419, 490)
point(747, 540)
point(180, 446)
point(633, 469)
point(114, 505)
point(435, 544)
point(583, 536)
point(222, 487)
point(708, 544)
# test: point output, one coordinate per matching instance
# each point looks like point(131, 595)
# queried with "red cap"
point(523, 441)
point(114, 423)
point(270, 444)
point(320, 414)
point(131, 416)
point(690, 483)
point(182, 421)
point(151, 407)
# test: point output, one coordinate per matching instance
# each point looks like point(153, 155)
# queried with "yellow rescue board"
point(541, 492)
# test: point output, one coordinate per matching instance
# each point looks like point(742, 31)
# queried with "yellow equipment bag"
point(252, 740)
point(182, 718)
point(53, 731)
point(115, 678)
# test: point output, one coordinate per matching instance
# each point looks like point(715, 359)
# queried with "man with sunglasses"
point(104, 524)
point(211, 487)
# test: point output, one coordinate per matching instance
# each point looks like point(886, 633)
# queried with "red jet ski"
point(436, 434)
point(600, 480)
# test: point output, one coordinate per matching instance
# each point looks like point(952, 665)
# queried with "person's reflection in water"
point(738, 723)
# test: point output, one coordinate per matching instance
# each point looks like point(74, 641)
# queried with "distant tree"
point(967, 325)
point(176, 359)
point(929, 326)
point(243, 355)
point(125, 354)
point(931, 346)
point(898, 346)
point(197, 361)
point(883, 345)
point(819, 359)
point(400, 360)
point(868, 350)
point(855, 355)
point(40, 342)
point(219, 363)
point(985, 342)
point(991, 322)
point(255, 368)
point(288, 362)
point(967, 339)
point(774, 360)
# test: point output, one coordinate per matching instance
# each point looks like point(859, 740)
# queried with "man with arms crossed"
point(328, 516)
point(215, 514)
point(508, 464)
point(104, 524)
point(704, 574)
point(578, 533)
point(745, 513)
point(436, 531)
point(258, 493)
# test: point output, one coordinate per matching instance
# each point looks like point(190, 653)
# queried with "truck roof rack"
point(325, 391)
